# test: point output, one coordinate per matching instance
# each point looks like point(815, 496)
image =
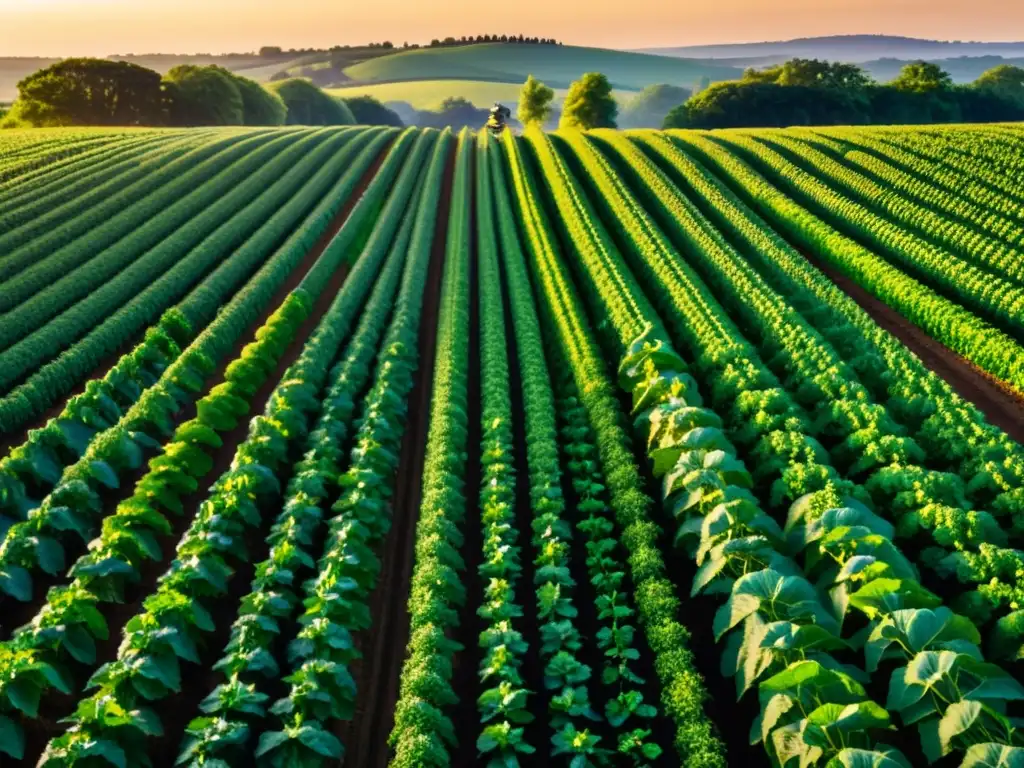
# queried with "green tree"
point(1005, 80)
point(922, 77)
point(589, 104)
point(369, 111)
point(534, 102)
point(308, 105)
point(811, 73)
point(259, 106)
point(205, 96)
point(92, 92)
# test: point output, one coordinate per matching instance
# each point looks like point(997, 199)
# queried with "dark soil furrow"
point(1001, 405)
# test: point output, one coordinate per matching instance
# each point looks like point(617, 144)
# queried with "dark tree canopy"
point(259, 106)
point(649, 108)
point(369, 111)
point(205, 96)
point(809, 92)
point(589, 104)
point(93, 92)
point(922, 77)
point(1004, 80)
point(811, 73)
point(308, 105)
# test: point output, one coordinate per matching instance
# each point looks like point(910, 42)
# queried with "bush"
point(308, 105)
point(369, 111)
point(205, 96)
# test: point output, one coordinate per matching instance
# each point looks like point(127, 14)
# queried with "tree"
point(259, 106)
point(649, 108)
point(589, 104)
point(205, 96)
point(534, 102)
point(811, 73)
point(308, 105)
point(369, 111)
point(271, 51)
point(1004, 80)
point(745, 104)
point(92, 92)
point(922, 77)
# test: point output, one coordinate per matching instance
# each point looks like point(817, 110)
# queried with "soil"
point(195, 680)
point(1001, 405)
point(377, 674)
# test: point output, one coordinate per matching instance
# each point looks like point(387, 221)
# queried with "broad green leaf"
point(832, 724)
point(321, 742)
point(868, 758)
point(104, 474)
point(50, 555)
point(881, 597)
point(16, 582)
point(959, 718)
point(270, 740)
point(993, 756)
point(12, 738)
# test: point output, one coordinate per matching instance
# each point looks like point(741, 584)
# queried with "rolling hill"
point(428, 94)
point(558, 66)
point(851, 48)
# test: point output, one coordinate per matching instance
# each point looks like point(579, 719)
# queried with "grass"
point(556, 65)
point(428, 94)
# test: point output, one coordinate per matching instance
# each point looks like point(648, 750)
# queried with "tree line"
point(470, 40)
point(815, 92)
point(277, 52)
point(77, 92)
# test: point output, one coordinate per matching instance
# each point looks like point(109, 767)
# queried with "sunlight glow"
point(99, 27)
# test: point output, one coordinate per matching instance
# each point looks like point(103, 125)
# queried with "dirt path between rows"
point(1002, 406)
point(377, 673)
point(194, 679)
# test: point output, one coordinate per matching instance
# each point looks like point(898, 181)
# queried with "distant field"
point(556, 65)
point(428, 94)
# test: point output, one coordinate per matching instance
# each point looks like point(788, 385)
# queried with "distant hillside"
point(963, 69)
point(851, 48)
point(558, 66)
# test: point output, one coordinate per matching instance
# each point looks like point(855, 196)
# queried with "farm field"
point(377, 447)
point(429, 94)
point(556, 65)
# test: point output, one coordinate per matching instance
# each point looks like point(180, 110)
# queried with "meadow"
point(369, 446)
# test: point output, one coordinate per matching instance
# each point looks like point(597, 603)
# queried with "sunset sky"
point(99, 27)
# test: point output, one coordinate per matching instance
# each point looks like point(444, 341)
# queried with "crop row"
point(706, 488)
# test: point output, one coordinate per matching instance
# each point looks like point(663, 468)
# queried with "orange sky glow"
point(100, 27)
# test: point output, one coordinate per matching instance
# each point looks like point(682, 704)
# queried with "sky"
point(103, 27)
